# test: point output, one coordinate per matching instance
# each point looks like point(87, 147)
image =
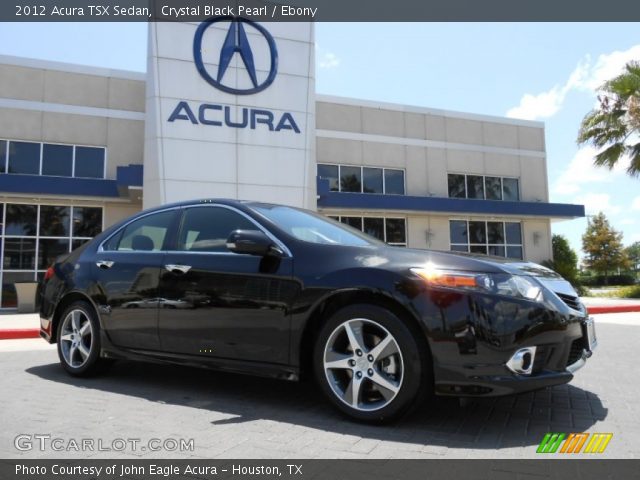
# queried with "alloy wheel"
point(76, 338)
point(363, 364)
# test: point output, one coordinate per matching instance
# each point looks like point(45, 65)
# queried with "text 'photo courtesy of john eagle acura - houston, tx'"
point(283, 292)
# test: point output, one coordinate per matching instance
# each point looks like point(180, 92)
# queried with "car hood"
point(406, 257)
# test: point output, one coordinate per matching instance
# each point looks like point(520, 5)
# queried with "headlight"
point(497, 283)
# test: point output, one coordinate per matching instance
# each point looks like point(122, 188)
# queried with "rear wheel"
point(369, 364)
point(79, 340)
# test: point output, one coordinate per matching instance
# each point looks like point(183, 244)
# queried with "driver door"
point(221, 304)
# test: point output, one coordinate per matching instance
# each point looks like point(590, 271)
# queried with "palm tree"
point(614, 127)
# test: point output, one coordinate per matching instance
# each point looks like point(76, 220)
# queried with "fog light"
point(522, 361)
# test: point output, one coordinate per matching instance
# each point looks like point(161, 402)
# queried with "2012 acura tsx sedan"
point(282, 292)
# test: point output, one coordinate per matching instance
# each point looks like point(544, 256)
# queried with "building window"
point(493, 188)
point(32, 236)
point(346, 178)
point(393, 181)
point(34, 158)
point(372, 180)
point(500, 239)
point(457, 187)
point(330, 172)
point(89, 162)
point(57, 160)
point(24, 157)
point(510, 189)
point(3, 156)
point(483, 187)
point(350, 179)
point(388, 229)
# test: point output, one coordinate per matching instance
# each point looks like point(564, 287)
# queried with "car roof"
point(220, 201)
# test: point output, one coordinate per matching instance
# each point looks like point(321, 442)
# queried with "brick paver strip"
point(235, 416)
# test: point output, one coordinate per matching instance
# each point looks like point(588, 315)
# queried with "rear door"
point(216, 303)
point(127, 272)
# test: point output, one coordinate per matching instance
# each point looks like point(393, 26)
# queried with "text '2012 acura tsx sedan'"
point(282, 292)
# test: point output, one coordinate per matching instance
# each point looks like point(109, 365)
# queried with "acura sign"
point(236, 42)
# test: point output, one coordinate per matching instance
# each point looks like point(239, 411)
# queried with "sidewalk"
point(27, 325)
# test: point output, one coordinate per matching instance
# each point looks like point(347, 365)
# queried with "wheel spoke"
point(86, 328)
point(352, 394)
point(386, 387)
point(354, 333)
point(84, 352)
point(387, 346)
point(335, 360)
point(66, 337)
point(72, 353)
point(75, 319)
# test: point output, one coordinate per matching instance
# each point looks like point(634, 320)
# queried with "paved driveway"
point(230, 416)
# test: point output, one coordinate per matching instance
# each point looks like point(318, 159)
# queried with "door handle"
point(105, 264)
point(178, 269)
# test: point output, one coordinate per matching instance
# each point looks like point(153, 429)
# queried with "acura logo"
point(236, 42)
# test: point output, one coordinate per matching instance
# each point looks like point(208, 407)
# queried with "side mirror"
point(252, 242)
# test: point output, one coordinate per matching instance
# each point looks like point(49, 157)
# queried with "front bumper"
point(554, 363)
point(472, 337)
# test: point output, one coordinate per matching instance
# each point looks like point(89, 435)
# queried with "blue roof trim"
point(364, 201)
point(44, 184)
point(129, 176)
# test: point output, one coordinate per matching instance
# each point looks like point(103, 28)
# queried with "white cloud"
point(609, 65)
point(598, 202)
point(542, 105)
point(587, 76)
point(627, 221)
point(581, 170)
point(635, 205)
point(326, 59)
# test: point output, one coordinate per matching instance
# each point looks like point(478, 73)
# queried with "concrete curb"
point(614, 309)
point(19, 333)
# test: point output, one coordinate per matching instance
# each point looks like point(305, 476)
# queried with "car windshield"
point(314, 228)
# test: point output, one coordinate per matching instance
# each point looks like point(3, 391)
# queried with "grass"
point(632, 291)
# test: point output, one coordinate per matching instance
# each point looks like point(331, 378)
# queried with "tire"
point(392, 370)
point(79, 340)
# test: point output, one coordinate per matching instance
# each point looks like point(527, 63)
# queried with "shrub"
point(629, 292)
point(599, 281)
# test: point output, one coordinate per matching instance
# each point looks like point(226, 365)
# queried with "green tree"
point(565, 259)
point(633, 253)
point(613, 126)
point(603, 248)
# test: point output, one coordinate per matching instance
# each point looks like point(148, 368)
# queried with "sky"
point(548, 72)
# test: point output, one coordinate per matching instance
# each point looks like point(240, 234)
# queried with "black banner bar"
point(560, 469)
point(321, 10)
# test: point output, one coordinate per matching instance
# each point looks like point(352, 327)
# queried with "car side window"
point(206, 229)
point(147, 234)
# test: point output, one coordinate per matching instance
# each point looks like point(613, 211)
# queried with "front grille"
point(571, 301)
point(575, 353)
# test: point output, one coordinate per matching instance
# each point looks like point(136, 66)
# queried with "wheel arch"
point(65, 301)
point(331, 304)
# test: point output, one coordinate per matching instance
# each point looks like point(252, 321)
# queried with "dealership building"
point(229, 110)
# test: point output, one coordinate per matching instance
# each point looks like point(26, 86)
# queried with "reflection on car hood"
point(465, 262)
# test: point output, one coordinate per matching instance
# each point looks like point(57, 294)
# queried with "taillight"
point(49, 273)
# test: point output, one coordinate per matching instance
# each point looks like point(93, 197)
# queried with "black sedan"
point(282, 292)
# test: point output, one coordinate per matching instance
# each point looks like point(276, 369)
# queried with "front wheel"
point(79, 340)
point(369, 364)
